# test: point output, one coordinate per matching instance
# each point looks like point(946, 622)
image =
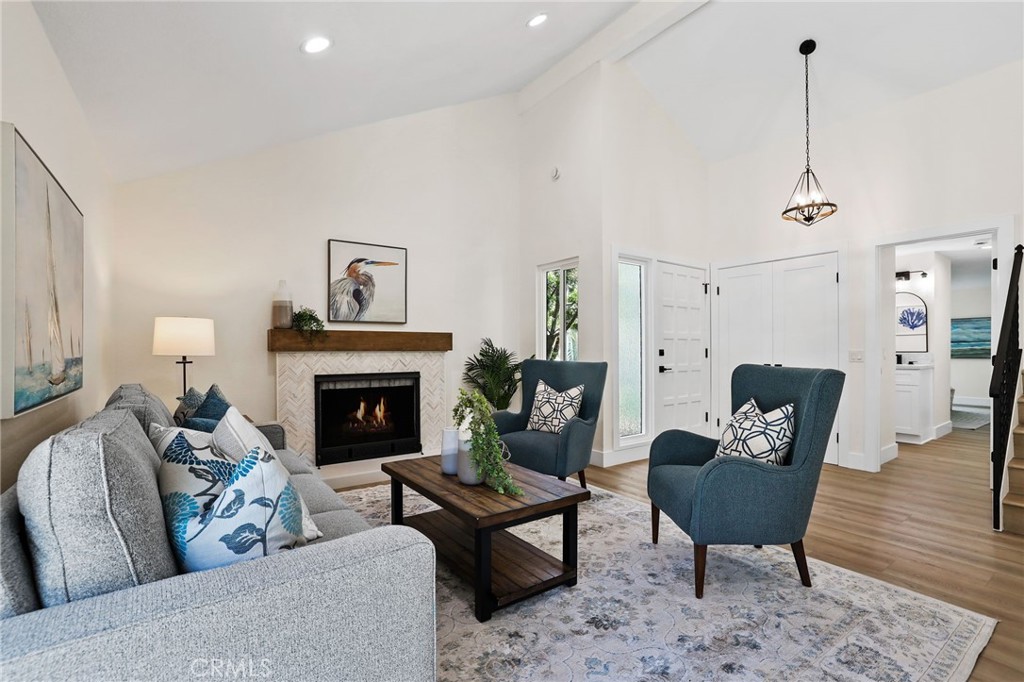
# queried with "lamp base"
point(184, 362)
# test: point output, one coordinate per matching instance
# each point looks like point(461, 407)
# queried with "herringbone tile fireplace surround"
point(295, 372)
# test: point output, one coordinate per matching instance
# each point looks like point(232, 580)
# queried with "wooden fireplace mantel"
point(291, 341)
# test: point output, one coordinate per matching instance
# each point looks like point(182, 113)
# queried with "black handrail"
point(1003, 386)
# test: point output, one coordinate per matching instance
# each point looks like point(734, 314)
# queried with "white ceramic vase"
point(467, 470)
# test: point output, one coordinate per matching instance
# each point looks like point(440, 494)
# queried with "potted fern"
point(495, 372)
point(481, 452)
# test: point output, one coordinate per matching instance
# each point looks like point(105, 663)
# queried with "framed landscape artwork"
point(971, 337)
point(41, 305)
point(911, 323)
point(365, 282)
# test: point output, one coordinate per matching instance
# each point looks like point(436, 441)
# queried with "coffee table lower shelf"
point(518, 569)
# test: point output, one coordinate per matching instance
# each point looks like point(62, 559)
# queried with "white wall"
point(213, 241)
point(908, 167)
point(935, 291)
point(36, 97)
point(970, 376)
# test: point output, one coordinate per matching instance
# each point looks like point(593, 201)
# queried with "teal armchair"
point(555, 454)
point(742, 501)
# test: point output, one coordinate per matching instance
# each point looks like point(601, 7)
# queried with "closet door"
point(805, 317)
point(743, 327)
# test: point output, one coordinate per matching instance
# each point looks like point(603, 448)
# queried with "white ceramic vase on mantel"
point(467, 470)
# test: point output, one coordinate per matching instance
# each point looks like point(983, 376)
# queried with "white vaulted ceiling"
point(732, 77)
point(168, 85)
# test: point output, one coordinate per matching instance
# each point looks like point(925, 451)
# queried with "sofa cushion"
point(293, 463)
point(17, 585)
point(187, 405)
point(339, 523)
point(315, 493)
point(536, 450)
point(255, 513)
point(146, 407)
point(215, 406)
point(553, 409)
point(92, 508)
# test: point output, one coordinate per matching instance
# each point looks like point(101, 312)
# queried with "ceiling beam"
point(637, 26)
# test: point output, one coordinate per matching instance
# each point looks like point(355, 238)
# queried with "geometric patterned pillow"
point(187, 405)
point(255, 512)
point(551, 409)
point(765, 437)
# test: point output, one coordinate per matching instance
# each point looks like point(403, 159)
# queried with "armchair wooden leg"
point(801, 562)
point(700, 558)
point(583, 478)
point(758, 546)
point(561, 478)
point(655, 521)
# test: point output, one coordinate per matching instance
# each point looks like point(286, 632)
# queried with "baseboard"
point(943, 429)
point(888, 453)
point(610, 458)
point(856, 460)
point(968, 401)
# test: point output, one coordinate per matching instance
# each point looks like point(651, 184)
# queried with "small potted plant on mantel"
point(482, 454)
point(308, 323)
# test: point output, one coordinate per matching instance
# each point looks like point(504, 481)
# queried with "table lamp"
point(183, 336)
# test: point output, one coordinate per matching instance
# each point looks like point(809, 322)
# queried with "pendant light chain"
point(807, 110)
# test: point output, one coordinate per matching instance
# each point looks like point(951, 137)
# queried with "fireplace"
point(362, 416)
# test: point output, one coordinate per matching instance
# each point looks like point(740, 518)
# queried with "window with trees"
point(561, 311)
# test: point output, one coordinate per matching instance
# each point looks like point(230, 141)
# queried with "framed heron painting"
point(365, 282)
point(41, 239)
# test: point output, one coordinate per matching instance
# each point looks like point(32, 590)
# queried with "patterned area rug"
point(633, 616)
point(962, 419)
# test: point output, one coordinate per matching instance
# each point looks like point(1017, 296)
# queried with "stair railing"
point(1003, 386)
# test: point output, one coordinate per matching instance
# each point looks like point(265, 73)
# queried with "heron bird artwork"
point(362, 291)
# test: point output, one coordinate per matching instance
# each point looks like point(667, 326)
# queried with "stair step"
point(1013, 513)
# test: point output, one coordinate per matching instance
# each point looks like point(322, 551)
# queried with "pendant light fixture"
point(808, 204)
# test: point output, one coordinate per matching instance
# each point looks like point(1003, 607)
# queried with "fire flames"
point(371, 420)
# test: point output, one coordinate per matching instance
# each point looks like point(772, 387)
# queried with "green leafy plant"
point(495, 372)
point(486, 451)
point(307, 322)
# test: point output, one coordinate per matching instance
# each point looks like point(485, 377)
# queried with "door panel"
point(681, 391)
point(744, 327)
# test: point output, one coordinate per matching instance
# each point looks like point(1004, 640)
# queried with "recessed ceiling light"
point(537, 20)
point(315, 44)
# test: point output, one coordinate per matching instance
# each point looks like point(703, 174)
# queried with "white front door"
point(681, 366)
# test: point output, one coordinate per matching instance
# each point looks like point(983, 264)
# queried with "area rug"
point(968, 420)
point(633, 616)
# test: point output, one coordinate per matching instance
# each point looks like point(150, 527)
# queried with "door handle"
point(662, 369)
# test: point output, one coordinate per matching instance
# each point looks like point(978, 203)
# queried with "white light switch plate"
point(856, 356)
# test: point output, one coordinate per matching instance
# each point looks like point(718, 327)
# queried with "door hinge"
point(837, 436)
point(718, 422)
point(705, 353)
point(718, 291)
point(995, 263)
point(707, 417)
point(837, 278)
point(705, 285)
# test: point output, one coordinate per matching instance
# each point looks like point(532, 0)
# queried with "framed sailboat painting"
point(41, 281)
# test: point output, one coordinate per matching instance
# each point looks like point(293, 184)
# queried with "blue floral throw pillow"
point(219, 512)
point(751, 433)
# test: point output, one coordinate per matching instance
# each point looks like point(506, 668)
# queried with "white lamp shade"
point(183, 336)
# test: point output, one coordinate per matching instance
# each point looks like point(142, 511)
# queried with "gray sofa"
point(357, 604)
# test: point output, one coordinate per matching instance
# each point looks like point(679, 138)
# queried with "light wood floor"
point(922, 523)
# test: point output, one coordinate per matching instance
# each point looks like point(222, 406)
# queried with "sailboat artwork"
point(42, 358)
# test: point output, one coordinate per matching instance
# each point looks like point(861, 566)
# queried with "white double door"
point(783, 313)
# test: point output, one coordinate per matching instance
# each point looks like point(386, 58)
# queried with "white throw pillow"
point(235, 437)
point(751, 433)
point(552, 410)
point(255, 512)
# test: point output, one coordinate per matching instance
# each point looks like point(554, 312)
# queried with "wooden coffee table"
point(469, 533)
